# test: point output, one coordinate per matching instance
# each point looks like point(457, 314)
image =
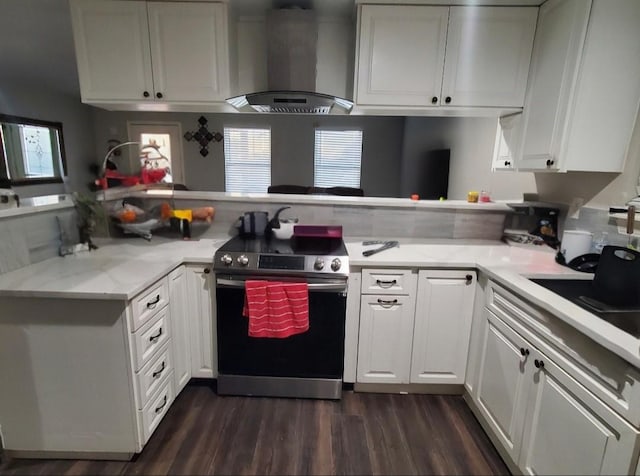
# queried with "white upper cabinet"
point(112, 50)
point(189, 51)
point(401, 55)
point(439, 56)
point(140, 52)
point(488, 53)
point(583, 93)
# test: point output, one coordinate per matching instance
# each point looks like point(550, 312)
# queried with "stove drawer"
point(388, 281)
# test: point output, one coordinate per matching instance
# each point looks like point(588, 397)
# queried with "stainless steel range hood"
point(292, 39)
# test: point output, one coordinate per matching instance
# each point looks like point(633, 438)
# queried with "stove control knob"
point(335, 264)
point(243, 260)
point(226, 260)
point(319, 264)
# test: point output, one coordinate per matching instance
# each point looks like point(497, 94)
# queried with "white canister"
point(576, 243)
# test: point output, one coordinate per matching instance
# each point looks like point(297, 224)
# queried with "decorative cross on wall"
point(202, 136)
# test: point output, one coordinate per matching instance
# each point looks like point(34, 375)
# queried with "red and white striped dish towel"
point(276, 309)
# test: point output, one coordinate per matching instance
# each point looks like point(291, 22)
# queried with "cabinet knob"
point(524, 351)
point(539, 364)
point(550, 162)
point(146, 94)
point(434, 99)
point(159, 95)
point(206, 271)
point(507, 163)
point(447, 99)
point(468, 279)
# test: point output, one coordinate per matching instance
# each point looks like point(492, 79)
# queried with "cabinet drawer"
point(154, 374)
point(606, 375)
point(148, 302)
point(388, 281)
point(150, 417)
point(150, 338)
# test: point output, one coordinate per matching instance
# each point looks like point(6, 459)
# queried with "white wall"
point(35, 102)
point(471, 141)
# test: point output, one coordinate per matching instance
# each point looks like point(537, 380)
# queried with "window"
point(247, 160)
point(337, 158)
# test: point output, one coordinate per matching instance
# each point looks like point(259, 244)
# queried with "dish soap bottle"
point(601, 242)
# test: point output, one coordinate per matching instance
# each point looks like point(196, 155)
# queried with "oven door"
point(315, 354)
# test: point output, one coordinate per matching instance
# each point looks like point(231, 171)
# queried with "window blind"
point(247, 160)
point(337, 158)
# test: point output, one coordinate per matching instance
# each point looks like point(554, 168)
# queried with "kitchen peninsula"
point(120, 311)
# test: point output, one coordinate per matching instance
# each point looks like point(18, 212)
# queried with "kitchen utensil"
point(285, 231)
point(617, 279)
point(318, 231)
point(253, 223)
point(575, 243)
point(385, 246)
point(631, 220)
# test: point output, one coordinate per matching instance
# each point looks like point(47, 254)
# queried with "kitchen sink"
point(581, 292)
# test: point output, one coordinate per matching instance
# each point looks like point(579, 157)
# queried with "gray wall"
point(292, 142)
point(471, 141)
point(34, 101)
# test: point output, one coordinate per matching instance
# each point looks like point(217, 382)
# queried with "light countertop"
point(120, 269)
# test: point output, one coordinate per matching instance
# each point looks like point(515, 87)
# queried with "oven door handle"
point(340, 287)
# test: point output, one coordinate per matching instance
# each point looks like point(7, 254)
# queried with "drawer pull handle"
point(157, 336)
point(386, 284)
point(152, 304)
point(164, 403)
point(387, 303)
point(158, 372)
point(539, 364)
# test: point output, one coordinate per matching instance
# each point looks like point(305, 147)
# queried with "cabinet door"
point(180, 327)
point(502, 382)
point(112, 50)
point(488, 54)
point(189, 50)
point(384, 348)
point(569, 431)
point(444, 309)
point(200, 307)
point(506, 149)
point(560, 34)
point(401, 55)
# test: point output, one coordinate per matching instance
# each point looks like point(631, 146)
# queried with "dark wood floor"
point(362, 434)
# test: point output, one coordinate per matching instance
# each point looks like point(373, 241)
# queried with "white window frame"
point(316, 165)
point(229, 161)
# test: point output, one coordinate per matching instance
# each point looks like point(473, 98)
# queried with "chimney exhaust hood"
point(292, 39)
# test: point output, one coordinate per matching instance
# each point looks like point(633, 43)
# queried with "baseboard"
point(91, 455)
point(506, 457)
point(436, 389)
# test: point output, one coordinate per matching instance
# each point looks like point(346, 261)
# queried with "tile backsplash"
point(597, 221)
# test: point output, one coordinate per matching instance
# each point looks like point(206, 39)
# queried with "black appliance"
point(307, 365)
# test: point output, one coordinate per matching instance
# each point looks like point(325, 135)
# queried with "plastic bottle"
point(601, 242)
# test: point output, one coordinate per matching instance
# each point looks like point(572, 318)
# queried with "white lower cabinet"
point(386, 327)
point(420, 333)
point(546, 418)
point(180, 327)
point(444, 308)
point(200, 309)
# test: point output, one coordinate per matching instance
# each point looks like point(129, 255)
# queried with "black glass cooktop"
point(294, 246)
point(581, 293)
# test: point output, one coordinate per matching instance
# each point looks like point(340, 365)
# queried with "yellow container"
point(472, 197)
point(182, 214)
